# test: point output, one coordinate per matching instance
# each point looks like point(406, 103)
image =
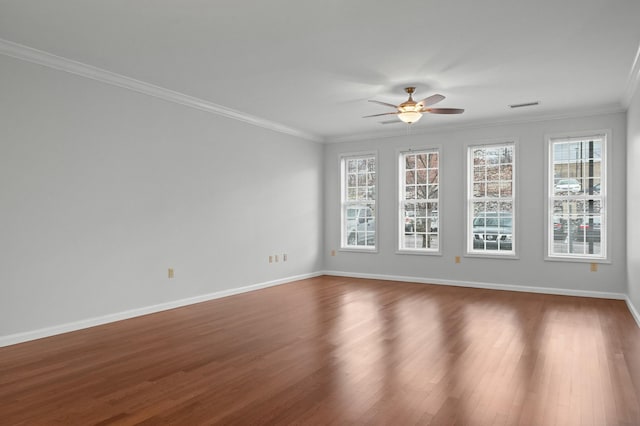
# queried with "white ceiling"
point(312, 65)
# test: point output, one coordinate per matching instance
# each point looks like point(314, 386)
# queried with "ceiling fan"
point(411, 111)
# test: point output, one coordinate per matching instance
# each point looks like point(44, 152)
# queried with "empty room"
point(338, 212)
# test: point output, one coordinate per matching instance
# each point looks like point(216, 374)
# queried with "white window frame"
point(469, 199)
point(401, 176)
point(604, 196)
point(344, 203)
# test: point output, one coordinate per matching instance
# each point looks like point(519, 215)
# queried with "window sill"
point(420, 252)
point(568, 259)
point(507, 256)
point(358, 250)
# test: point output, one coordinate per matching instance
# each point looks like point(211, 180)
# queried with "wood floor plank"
point(334, 350)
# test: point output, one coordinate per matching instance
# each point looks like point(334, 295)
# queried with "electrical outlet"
point(594, 267)
point(457, 259)
point(270, 259)
point(284, 257)
point(170, 273)
point(333, 252)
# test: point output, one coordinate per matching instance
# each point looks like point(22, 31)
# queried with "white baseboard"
point(490, 286)
point(13, 339)
point(633, 310)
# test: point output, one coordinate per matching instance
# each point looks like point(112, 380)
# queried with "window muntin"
point(491, 199)
point(419, 216)
point(577, 198)
point(359, 202)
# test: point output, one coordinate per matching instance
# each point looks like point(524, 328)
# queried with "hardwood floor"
point(333, 350)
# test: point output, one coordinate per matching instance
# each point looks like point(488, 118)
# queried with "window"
point(359, 202)
point(577, 195)
point(418, 201)
point(491, 199)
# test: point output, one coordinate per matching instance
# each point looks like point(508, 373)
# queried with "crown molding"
point(60, 63)
point(632, 81)
point(610, 109)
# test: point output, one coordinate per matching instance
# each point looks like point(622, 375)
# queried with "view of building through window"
point(491, 199)
point(419, 212)
point(576, 197)
point(358, 202)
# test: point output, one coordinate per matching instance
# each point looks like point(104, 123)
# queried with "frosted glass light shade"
point(409, 116)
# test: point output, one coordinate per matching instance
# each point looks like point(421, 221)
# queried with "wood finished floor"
point(333, 350)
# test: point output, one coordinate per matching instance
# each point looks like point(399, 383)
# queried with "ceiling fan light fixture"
point(409, 116)
point(411, 111)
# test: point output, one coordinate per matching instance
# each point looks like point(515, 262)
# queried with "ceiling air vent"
point(527, 104)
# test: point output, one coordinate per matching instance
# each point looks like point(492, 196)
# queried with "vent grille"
point(526, 104)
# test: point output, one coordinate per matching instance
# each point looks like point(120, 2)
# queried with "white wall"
point(103, 189)
point(530, 269)
point(633, 200)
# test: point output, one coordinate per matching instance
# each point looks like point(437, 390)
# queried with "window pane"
point(506, 172)
point(493, 189)
point(493, 173)
point(410, 177)
point(478, 156)
point(371, 177)
point(421, 161)
point(410, 192)
point(410, 162)
point(351, 194)
point(433, 192)
point(433, 175)
point(492, 155)
point(421, 192)
point(506, 155)
point(433, 217)
point(422, 176)
point(506, 189)
point(433, 160)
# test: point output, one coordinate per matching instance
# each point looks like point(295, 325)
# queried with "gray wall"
point(102, 189)
point(633, 200)
point(530, 269)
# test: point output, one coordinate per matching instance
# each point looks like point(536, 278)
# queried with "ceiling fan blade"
point(443, 110)
point(385, 104)
point(391, 122)
point(378, 115)
point(431, 100)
